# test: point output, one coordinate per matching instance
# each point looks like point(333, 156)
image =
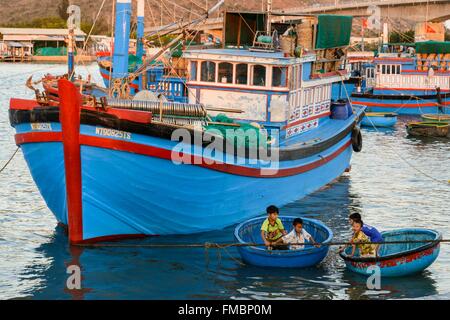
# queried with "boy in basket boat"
point(298, 236)
point(360, 240)
point(272, 230)
point(371, 232)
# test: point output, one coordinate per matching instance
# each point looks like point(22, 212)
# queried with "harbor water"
point(395, 182)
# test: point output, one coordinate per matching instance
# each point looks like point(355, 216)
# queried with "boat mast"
point(121, 39)
point(268, 22)
point(140, 28)
point(73, 22)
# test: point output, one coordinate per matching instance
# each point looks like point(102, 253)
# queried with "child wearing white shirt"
point(298, 236)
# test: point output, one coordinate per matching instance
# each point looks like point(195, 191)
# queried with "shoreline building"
point(21, 44)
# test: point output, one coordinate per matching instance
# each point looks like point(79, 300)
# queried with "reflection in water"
point(388, 193)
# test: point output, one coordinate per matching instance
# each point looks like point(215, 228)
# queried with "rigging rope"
point(9, 160)
point(389, 146)
point(212, 245)
point(88, 36)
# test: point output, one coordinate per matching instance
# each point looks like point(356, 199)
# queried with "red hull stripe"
point(23, 104)
point(151, 151)
point(399, 105)
point(36, 137)
point(306, 120)
point(409, 89)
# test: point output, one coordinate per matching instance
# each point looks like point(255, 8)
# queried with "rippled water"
point(387, 191)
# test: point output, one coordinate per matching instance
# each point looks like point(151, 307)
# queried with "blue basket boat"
point(250, 232)
point(401, 259)
point(379, 119)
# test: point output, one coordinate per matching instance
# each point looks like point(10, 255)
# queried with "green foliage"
point(58, 23)
point(401, 37)
point(49, 22)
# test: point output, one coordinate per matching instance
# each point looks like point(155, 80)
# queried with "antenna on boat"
point(269, 13)
point(73, 22)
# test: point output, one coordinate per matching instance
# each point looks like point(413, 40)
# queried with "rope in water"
point(229, 245)
point(390, 147)
point(9, 160)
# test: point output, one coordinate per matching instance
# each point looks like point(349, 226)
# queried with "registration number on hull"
point(41, 126)
point(113, 133)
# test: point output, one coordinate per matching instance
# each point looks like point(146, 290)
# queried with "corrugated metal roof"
point(35, 31)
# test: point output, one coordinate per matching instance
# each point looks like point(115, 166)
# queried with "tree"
point(62, 9)
point(400, 37)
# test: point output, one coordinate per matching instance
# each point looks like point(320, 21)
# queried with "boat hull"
point(378, 120)
point(428, 129)
point(436, 118)
point(404, 266)
point(130, 188)
point(404, 104)
point(309, 256)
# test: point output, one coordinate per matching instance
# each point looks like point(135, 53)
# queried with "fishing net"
point(51, 51)
point(133, 62)
point(240, 134)
point(333, 31)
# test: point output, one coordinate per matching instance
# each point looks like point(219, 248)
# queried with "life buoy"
point(356, 139)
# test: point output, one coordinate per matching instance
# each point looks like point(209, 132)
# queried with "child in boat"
point(359, 238)
point(298, 236)
point(371, 232)
point(272, 229)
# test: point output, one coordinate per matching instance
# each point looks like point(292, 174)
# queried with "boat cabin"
point(271, 88)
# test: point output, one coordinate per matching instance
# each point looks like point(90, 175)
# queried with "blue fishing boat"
point(379, 119)
point(249, 232)
point(410, 83)
point(112, 163)
point(400, 259)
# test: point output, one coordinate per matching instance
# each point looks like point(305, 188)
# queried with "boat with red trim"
point(414, 81)
point(113, 164)
point(406, 257)
point(410, 83)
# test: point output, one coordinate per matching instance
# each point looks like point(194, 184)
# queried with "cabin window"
point(225, 72)
point(259, 75)
point(383, 69)
point(279, 77)
point(193, 76)
point(208, 72)
point(241, 73)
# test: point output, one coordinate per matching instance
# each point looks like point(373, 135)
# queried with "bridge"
point(413, 10)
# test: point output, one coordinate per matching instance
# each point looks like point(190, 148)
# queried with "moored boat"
point(399, 259)
point(250, 232)
point(410, 83)
point(428, 129)
point(436, 117)
point(379, 119)
point(111, 164)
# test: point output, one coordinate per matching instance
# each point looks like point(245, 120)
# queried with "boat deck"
point(327, 129)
